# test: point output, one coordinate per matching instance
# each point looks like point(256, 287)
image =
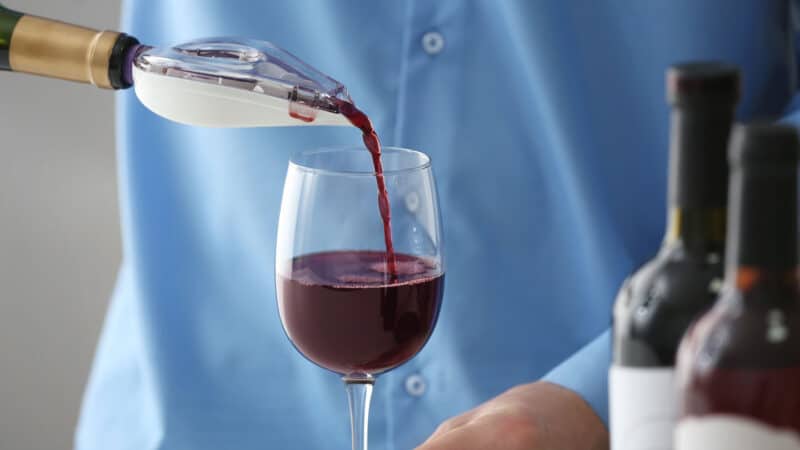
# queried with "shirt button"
point(412, 202)
point(415, 385)
point(432, 42)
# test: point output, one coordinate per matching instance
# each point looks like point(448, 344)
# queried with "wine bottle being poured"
point(228, 82)
point(220, 82)
point(55, 49)
point(223, 82)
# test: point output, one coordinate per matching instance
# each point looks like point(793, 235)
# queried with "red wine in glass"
point(346, 306)
point(343, 313)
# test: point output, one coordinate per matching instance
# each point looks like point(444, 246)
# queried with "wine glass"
point(341, 304)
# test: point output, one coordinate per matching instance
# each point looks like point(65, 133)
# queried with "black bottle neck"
point(698, 176)
point(762, 244)
point(699, 231)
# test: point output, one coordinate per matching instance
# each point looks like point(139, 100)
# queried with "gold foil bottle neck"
point(60, 50)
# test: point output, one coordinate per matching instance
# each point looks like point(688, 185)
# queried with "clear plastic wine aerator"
point(235, 82)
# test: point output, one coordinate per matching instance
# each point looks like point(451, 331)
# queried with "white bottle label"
point(642, 407)
point(729, 432)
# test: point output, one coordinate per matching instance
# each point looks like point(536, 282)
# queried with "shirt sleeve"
point(586, 373)
point(792, 113)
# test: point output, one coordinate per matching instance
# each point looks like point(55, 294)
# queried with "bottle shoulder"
point(747, 331)
point(673, 283)
point(744, 360)
point(658, 302)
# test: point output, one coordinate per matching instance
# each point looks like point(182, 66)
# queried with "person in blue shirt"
point(547, 127)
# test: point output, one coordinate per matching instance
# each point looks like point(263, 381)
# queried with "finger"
point(453, 423)
point(472, 436)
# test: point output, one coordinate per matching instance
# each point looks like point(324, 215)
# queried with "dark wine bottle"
point(658, 302)
point(59, 50)
point(738, 368)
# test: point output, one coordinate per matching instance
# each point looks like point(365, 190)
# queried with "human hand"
point(535, 416)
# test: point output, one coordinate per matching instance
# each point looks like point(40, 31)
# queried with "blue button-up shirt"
point(547, 127)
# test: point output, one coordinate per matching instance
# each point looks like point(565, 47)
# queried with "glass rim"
point(294, 163)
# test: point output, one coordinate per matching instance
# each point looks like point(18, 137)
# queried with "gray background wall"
point(59, 239)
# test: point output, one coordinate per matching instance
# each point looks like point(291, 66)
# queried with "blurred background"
point(59, 239)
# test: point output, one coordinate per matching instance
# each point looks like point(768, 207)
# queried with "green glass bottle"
point(8, 20)
point(56, 49)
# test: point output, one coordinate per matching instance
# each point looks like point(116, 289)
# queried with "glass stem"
point(359, 394)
